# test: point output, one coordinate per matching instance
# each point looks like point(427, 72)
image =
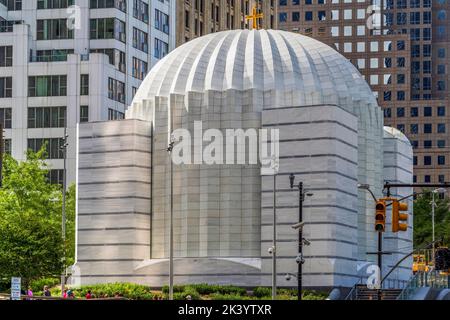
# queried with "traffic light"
point(380, 216)
point(398, 217)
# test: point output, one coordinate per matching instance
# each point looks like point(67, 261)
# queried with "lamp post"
point(433, 206)
point(169, 150)
point(300, 260)
point(274, 166)
point(63, 222)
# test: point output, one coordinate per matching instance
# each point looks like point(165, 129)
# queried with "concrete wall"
point(114, 198)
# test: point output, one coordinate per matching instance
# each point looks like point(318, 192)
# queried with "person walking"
point(88, 295)
point(47, 292)
point(29, 292)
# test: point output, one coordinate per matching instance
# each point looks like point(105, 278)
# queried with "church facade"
point(330, 136)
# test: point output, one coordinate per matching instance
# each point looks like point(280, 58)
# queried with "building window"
point(441, 128)
point(400, 112)
point(118, 4)
point(162, 21)
point(321, 15)
point(161, 49)
point(400, 78)
point(140, 40)
point(6, 117)
point(296, 16)
point(400, 95)
point(7, 146)
point(387, 95)
point(414, 112)
point(115, 56)
point(107, 28)
point(12, 5)
point(84, 114)
point(414, 17)
point(427, 112)
point(441, 53)
point(414, 128)
point(427, 144)
point(53, 146)
point(116, 90)
point(55, 176)
point(387, 112)
point(308, 15)
point(401, 127)
point(415, 144)
point(400, 62)
point(441, 85)
point(401, 45)
point(441, 178)
point(415, 160)
point(115, 115)
point(427, 128)
point(47, 86)
point(46, 117)
point(140, 10)
point(53, 29)
point(139, 68)
point(427, 160)
point(441, 160)
point(6, 56)
point(5, 87)
point(427, 178)
point(441, 144)
point(441, 111)
point(84, 85)
point(54, 4)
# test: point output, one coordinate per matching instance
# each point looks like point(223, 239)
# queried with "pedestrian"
point(65, 294)
point(89, 295)
point(29, 292)
point(47, 292)
point(70, 294)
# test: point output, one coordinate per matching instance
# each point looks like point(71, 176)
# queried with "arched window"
point(442, 15)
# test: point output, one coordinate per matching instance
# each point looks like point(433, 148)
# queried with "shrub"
point(176, 289)
point(125, 290)
point(188, 291)
point(220, 296)
point(38, 285)
point(260, 292)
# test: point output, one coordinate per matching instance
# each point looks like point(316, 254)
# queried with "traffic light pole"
point(300, 240)
point(380, 260)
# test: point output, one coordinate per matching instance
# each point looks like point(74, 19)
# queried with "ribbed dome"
point(256, 59)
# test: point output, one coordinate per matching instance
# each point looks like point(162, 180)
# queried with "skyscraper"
point(63, 62)
point(402, 48)
point(199, 17)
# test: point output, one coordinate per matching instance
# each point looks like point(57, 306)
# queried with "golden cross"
point(254, 17)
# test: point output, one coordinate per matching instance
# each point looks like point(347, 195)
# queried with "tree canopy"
point(423, 219)
point(31, 220)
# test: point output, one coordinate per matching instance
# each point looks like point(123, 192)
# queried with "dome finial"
point(254, 17)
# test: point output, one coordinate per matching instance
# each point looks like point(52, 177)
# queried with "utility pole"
point(433, 252)
point(1, 154)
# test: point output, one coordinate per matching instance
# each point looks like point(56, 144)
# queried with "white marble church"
point(331, 136)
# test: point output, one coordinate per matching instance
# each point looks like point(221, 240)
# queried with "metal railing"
point(432, 279)
point(49, 58)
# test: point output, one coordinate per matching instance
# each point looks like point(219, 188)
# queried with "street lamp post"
point(300, 260)
point(63, 222)
point(169, 150)
point(433, 206)
point(274, 167)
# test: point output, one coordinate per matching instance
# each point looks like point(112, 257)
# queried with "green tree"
point(423, 220)
point(30, 220)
